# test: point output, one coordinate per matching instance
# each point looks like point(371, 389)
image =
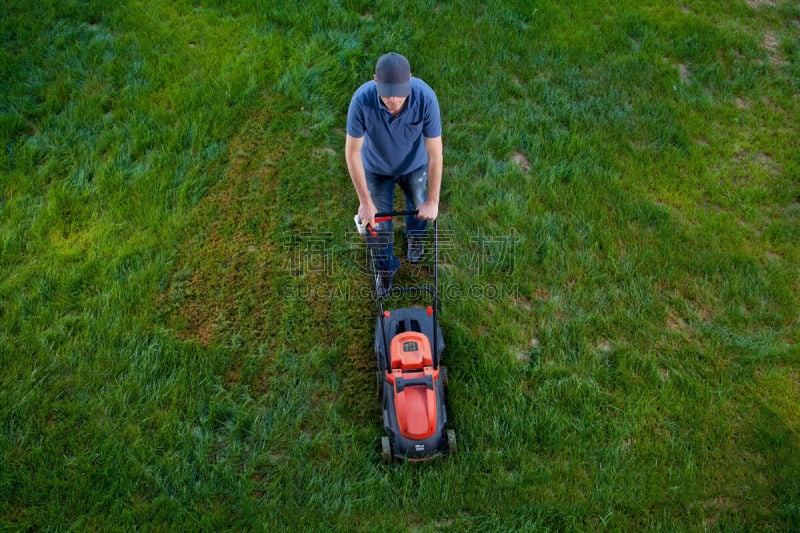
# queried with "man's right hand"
point(366, 212)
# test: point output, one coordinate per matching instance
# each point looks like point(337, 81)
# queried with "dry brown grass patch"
point(755, 4)
point(771, 44)
point(522, 161)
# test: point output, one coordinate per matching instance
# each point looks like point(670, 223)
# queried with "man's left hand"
point(429, 210)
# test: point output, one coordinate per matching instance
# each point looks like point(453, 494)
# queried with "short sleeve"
point(355, 118)
point(432, 124)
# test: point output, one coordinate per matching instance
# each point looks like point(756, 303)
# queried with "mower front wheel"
point(386, 450)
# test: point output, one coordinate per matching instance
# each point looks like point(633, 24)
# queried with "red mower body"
point(415, 404)
point(412, 388)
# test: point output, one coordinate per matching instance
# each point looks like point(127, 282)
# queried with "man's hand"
point(429, 210)
point(366, 212)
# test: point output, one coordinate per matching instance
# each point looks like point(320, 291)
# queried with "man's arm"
point(355, 166)
point(430, 209)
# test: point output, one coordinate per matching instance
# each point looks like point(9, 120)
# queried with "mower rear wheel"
point(386, 450)
point(451, 441)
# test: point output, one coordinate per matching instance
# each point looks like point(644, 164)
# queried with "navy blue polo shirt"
point(394, 145)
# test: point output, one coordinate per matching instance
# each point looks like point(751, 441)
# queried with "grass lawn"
point(185, 323)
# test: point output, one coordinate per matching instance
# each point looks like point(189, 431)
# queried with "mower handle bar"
point(385, 217)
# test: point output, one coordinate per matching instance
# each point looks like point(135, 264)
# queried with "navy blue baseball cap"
point(393, 75)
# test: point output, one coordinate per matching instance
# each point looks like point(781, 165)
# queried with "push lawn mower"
point(410, 379)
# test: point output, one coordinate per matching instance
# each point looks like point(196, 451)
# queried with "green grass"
point(185, 340)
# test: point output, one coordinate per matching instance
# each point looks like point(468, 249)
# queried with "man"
point(394, 137)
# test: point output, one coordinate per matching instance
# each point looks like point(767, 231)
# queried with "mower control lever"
point(380, 217)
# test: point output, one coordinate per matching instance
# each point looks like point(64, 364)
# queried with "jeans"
point(381, 188)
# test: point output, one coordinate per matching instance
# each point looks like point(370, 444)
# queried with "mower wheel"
point(451, 441)
point(379, 384)
point(386, 450)
point(443, 376)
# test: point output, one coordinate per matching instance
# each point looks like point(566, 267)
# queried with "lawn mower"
point(410, 379)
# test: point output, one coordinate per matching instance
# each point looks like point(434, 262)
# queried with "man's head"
point(393, 76)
